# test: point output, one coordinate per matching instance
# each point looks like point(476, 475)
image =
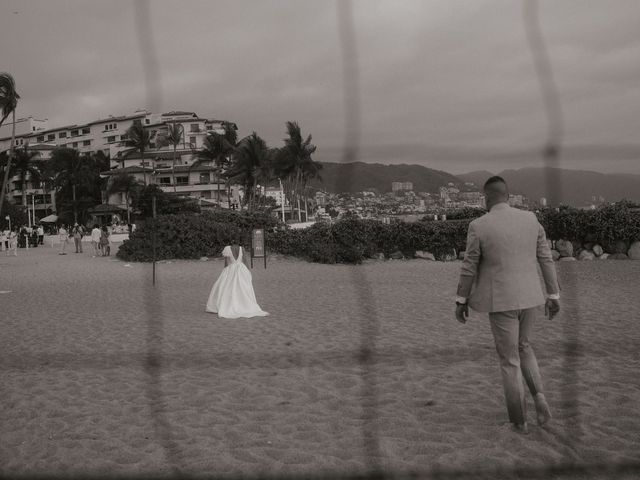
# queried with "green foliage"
point(604, 225)
point(166, 203)
point(191, 236)
point(352, 240)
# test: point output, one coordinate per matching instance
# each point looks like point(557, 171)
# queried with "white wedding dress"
point(232, 295)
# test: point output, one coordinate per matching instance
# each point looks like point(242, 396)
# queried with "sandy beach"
point(102, 373)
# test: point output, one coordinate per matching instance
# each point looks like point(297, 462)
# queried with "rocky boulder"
point(555, 254)
point(586, 255)
point(397, 255)
point(379, 256)
point(634, 251)
point(424, 255)
point(604, 256)
point(564, 248)
point(567, 259)
point(597, 250)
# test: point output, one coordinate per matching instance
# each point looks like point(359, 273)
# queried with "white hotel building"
point(107, 135)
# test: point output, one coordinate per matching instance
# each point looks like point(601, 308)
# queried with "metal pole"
point(75, 206)
point(33, 204)
point(154, 238)
point(282, 200)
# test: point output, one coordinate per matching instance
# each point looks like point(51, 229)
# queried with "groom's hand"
point(462, 312)
point(551, 307)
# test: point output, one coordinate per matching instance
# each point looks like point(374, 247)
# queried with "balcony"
point(202, 187)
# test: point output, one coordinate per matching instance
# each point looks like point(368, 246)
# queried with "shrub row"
point(352, 240)
point(191, 236)
point(604, 226)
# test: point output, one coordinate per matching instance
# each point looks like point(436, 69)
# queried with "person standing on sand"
point(499, 276)
point(64, 239)
point(104, 242)
point(40, 235)
point(78, 233)
point(95, 240)
point(232, 295)
point(12, 248)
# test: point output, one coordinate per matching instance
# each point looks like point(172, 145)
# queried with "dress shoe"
point(543, 413)
point(522, 428)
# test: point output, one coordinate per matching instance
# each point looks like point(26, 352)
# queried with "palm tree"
point(26, 165)
point(294, 163)
point(174, 135)
point(75, 175)
point(251, 160)
point(218, 150)
point(8, 103)
point(138, 140)
point(123, 183)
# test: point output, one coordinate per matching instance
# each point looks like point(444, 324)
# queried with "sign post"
point(154, 238)
point(258, 245)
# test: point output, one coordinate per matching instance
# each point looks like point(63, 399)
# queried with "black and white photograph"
point(320, 239)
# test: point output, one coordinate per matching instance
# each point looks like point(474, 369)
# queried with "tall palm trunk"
point(5, 180)
point(173, 169)
point(144, 168)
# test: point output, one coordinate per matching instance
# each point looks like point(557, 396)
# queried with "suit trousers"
point(511, 331)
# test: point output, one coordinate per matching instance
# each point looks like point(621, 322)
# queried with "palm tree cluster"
point(8, 104)
point(75, 178)
point(251, 163)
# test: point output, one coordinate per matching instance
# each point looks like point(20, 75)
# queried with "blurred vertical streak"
point(551, 157)
point(148, 55)
point(153, 305)
point(369, 326)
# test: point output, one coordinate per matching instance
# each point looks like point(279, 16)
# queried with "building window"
point(86, 130)
point(205, 178)
point(182, 180)
point(165, 180)
point(40, 138)
point(192, 141)
point(209, 127)
point(62, 135)
point(74, 145)
point(111, 139)
point(86, 143)
point(52, 136)
point(195, 127)
point(147, 121)
point(124, 137)
point(74, 133)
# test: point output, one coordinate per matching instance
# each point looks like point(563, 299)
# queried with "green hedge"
point(603, 226)
point(352, 240)
point(191, 236)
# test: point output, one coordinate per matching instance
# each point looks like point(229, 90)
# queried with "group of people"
point(99, 239)
point(21, 237)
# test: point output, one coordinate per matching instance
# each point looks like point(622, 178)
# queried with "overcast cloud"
point(446, 83)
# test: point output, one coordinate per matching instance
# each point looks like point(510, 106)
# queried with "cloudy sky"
point(445, 83)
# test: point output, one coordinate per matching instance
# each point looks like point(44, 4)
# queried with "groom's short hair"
point(496, 186)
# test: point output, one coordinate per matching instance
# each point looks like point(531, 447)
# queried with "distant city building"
point(543, 202)
point(322, 199)
point(277, 195)
point(401, 186)
point(516, 200)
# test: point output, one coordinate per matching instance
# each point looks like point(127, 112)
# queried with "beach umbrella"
point(50, 219)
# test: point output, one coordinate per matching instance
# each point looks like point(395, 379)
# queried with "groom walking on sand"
point(499, 276)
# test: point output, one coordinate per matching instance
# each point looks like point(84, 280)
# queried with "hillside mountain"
point(576, 187)
point(359, 176)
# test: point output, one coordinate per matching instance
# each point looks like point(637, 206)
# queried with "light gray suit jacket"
point(499, 271)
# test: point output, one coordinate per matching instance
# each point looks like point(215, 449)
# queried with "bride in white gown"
point(232, 295)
